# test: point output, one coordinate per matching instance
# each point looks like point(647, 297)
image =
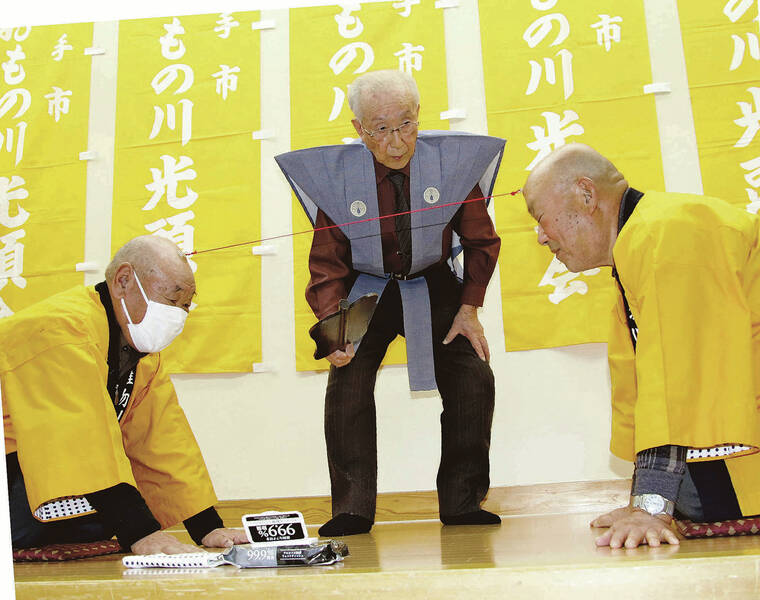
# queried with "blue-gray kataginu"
point(445, 167)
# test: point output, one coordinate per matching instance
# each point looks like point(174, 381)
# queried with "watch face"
point(653, 504)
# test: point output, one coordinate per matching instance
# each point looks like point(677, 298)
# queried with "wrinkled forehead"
point(543, 193)
point(385, 105)
point(533, 195)
point(174, 276)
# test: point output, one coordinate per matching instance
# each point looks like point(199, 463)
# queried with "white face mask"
point(160, 325)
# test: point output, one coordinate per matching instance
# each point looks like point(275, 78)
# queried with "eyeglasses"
point(383, 132)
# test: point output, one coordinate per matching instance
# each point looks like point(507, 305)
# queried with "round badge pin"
point(431, 195)
point(358, 208)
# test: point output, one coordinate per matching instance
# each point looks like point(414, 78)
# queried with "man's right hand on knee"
point(340, 358)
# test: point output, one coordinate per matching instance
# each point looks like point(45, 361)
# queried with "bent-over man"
point(684, 346)
point(96, 442)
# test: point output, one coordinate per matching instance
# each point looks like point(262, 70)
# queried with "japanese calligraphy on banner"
point(187, 168)
point(329, 48)
point(557, 72)
point(724, 84)
point(44, 108)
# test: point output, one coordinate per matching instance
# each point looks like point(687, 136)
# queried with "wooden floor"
point(543, 556)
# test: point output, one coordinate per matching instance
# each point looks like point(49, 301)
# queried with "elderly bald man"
point(391, 171)
point(684, 346)
point(96, 442)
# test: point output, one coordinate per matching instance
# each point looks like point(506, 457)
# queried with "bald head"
point(564, 167)
point(574, 194)
point(148, 254)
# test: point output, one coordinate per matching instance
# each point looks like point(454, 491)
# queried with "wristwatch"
point(654, 504)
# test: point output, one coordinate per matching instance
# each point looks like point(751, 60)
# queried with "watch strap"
point(642, 500)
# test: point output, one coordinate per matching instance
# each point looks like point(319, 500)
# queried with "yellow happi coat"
point(690, 268)
point(60, 418)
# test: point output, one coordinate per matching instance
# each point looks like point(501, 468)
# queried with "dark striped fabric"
point(403, 221)
point(466, 385)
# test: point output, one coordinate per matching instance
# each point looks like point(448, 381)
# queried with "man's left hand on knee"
point(467, 324)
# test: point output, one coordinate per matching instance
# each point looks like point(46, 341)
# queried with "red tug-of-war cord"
point(284, 235)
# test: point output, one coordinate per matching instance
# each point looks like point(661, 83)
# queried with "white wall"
point(262, 433)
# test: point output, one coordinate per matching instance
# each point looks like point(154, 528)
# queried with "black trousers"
point(707, 493)
point(466, 385)
point(26, 531)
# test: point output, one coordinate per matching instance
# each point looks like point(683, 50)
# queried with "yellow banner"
point(187, 168)
point(555, 73)
point(329, 48)
point(44, 109)
point(724, 84)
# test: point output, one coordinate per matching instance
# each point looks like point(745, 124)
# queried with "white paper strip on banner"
point(262, 134)
point(87, 267)
point(94, 51)
point(88, 155)
point(265, 24)
point(660, 87)
point(454, 113)
point(263, 250)
point(446, 3)
point(263, 367)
